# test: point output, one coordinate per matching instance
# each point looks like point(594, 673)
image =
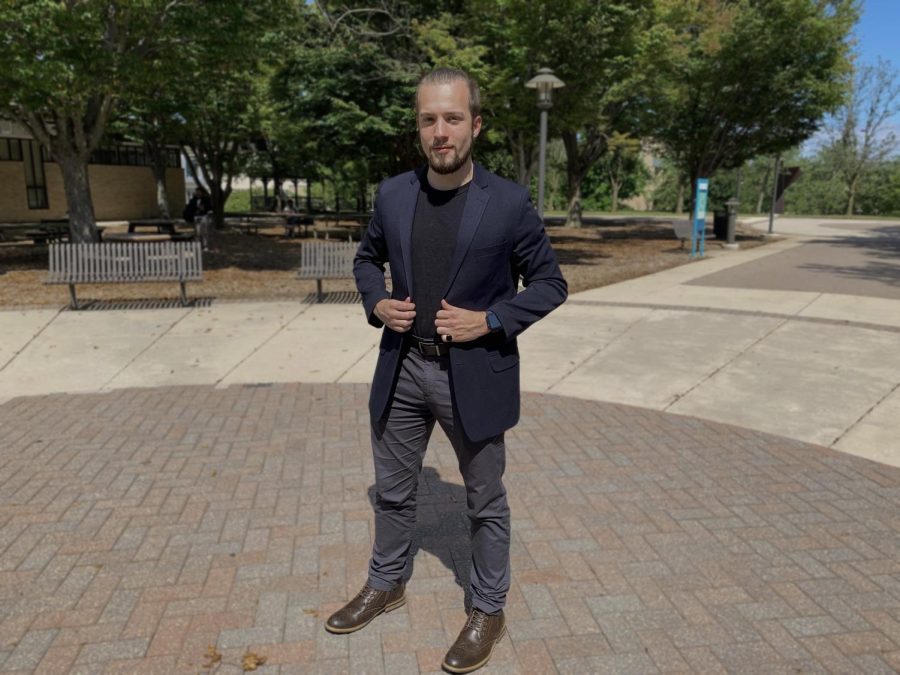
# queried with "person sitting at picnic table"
point(291, 221)
point(198, 212)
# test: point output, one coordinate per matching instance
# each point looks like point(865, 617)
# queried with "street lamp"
point(545, 82)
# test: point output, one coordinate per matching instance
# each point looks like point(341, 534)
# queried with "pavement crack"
point(350, 367)
point(32, 339)
point(727, 363)
point(597, 351)
point(145, 349)
point(864, 415)
point(303, 310)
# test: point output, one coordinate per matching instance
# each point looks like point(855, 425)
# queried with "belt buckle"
point(430, 348)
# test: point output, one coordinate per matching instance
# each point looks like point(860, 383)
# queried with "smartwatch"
point(493, 323)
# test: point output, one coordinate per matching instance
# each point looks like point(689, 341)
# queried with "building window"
point(131, 155)
point(10, 150)
point(35, 180)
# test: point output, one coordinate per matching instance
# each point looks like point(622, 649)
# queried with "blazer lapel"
point(476, 202)
point(408, 213)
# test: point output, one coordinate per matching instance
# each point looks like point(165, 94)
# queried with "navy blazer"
point(501, 238)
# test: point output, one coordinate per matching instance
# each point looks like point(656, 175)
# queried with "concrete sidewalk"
point(821, 366)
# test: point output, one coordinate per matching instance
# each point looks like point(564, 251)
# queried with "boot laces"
point(477, 620)
point(368, 593)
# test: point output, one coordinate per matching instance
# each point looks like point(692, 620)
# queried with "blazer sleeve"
point(368, 266)
point(534, 260)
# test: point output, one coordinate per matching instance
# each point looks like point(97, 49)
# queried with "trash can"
point(720, 225)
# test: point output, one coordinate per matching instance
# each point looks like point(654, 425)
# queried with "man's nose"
point(440, 129)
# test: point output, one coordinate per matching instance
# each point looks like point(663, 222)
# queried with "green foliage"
point(622, 167)
point(238, 200)
point(746, 78)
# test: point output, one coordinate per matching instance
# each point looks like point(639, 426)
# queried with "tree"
point(859, 137)
point(227, 76)
point(153, 120)
point(594, 48)
point(63, 67)
point(745, 78)
point(347, 98)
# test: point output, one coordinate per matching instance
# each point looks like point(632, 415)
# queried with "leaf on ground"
point(252, 661)
point(311, 612)
point(212, 656)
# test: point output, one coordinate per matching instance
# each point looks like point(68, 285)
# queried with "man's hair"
point(448, 75)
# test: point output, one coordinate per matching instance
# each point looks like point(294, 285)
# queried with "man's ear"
point(476, 126)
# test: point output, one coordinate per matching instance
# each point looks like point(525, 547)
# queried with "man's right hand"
point(397, 315)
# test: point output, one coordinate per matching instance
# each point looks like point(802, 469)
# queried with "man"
point(457, 239)
point(198, 212)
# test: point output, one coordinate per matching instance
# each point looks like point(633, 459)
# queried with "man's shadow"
point(442, 528)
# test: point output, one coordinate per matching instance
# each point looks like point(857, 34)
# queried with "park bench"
point(683, 230)
point(325, 259)
point(125, 262)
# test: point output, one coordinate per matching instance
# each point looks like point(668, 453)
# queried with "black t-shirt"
point(434, 233)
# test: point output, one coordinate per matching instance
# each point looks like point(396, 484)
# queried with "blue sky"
point(877, 31)
point(876, 36)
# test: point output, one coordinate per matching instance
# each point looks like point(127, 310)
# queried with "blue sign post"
point(699, 230)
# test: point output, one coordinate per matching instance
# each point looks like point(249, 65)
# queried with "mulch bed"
point(263, 266)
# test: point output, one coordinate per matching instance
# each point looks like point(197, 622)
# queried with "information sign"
point(699, 230)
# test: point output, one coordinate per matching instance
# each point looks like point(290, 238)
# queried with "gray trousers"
point(399, 441)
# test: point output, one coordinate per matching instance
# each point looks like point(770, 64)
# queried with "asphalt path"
point(865, 264)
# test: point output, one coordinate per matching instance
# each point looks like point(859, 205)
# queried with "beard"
point(444, 165)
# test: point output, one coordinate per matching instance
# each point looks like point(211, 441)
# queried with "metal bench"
point(683, 230)
point(326, 260)
point(125, 262)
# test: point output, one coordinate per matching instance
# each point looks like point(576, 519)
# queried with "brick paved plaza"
point(141, 526)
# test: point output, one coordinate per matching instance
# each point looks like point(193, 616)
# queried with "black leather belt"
point(429, 347)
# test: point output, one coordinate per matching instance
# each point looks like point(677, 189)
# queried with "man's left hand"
point(461, 325)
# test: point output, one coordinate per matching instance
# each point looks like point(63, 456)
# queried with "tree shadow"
point(883, 244)
point(878, 272)
point(442, 528)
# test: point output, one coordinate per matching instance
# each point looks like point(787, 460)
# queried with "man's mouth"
point(442, 148)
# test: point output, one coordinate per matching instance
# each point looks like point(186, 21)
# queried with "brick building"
point(122, 184)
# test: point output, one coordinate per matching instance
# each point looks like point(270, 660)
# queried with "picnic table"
point(249, 221)
point(137, 236)
point(161, 225)
point(360, 221)
point(41, 232)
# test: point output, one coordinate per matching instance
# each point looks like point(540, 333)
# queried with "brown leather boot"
point(475, 644)
point(367, 604)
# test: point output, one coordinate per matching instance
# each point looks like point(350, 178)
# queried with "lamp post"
point(545, 82)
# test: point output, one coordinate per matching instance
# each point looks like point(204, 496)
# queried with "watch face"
point(493, 321)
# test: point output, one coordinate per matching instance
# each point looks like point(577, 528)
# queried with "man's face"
point(446, 127)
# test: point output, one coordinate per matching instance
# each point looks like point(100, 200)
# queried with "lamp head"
point(545, 82)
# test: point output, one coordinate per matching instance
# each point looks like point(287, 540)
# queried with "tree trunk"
point(158, 167)
point(679, 200)
point(762, 189)
point(614, 194)
point(309, 208)
point(363, 202)
point(82, 223)
point(573, 205)
point(852, 189)
point(524, 155)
